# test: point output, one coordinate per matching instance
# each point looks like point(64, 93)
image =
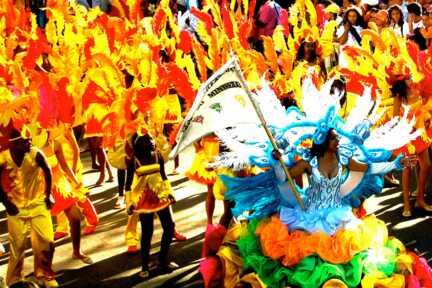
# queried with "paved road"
point(114, 268)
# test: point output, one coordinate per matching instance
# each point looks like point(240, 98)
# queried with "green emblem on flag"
point(217, 107)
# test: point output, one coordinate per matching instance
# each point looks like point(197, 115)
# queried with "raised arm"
point(342, 39)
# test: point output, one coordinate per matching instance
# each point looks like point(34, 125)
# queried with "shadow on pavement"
point(107, 273)
point(410, 230)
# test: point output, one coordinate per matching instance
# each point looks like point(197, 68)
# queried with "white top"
point(398, 31)
point(418, 24)
point(350, 42)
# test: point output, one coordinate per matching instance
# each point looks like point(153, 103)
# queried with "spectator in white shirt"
point(415, 19)
point(349, 31)
point(397, 22)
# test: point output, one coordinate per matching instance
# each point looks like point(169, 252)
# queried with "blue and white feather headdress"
point(360, 139)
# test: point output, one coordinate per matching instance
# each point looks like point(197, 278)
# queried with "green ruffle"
point(312, 271)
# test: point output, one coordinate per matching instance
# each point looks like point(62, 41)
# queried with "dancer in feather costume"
point(345, 161)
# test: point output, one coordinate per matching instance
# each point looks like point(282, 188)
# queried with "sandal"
point(84, 258)
point(144, 274)
point(167, 268)
point(406, 213)
point(426, 207)
point(179, 236)
point(175, 172)
point(120, 203)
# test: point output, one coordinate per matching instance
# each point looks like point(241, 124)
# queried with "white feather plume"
point(238, 156)
point(360, 111)
point(315, 103)
point(394, 134)
point(273, 111)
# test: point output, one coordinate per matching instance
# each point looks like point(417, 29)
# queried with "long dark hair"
point(400, 89)
point(318, 150)
point(359, 22)
point(301, 53)
point(341, 85)
point(401, 18)
point(142, 146)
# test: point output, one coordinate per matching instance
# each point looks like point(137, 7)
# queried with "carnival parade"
point(216, 143)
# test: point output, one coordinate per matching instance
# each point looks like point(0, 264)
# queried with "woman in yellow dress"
point(206, 149)
point(71, 152)
point(65, 183)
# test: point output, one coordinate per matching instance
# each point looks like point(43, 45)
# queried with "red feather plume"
point(88, 45)
point(144, 97)
point(35, 50)
point(159, 21)
point(252, 5)
point(48, 102)
point(92, 95)
point(4, 73)
point(180, 81)
point(185, 42)
point(66, 107)
point(245, 29)
point(228, 26)
point(205, 17)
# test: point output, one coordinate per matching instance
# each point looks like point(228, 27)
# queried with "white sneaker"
point(120, 204)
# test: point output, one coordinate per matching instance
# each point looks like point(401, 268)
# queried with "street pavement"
point(113, 267)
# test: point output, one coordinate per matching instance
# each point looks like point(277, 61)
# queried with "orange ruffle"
point(290, 248)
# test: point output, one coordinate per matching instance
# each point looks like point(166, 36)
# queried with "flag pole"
point(269, 134)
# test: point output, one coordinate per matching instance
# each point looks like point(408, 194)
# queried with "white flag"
point(222, 102)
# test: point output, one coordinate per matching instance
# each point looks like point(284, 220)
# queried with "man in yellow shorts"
point(25, 192)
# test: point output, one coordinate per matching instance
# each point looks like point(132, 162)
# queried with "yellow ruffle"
point(198, 171)
point(253, 280)
point(155, 183)
point(232, 262)
point(334, 283)
point(117, 155)
point(219, 188)
point(378, 279)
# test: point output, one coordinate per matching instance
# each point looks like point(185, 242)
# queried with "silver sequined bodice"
point(323, 192)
